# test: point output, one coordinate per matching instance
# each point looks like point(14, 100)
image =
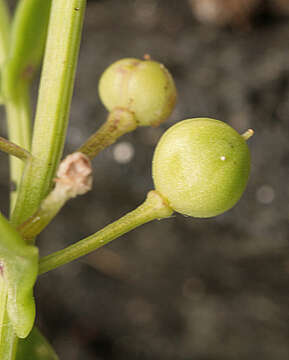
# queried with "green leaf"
point(19, 268)
point(35, 347)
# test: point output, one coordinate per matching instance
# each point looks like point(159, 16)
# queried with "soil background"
point(182, 288)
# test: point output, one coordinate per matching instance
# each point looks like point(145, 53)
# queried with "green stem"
point(53, 106)
point(27, 41)
point(18, 109)
point(8, 340)
point(14, 150)
point(19, 130)
point(4, 31)
point(118, 123)
point(154, 207)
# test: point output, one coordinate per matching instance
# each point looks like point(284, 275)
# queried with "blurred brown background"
point(183, 288)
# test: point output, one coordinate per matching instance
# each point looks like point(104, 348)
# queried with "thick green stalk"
point(154, 207)
point(53, 106)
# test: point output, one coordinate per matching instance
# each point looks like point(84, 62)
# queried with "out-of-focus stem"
point(4, 31)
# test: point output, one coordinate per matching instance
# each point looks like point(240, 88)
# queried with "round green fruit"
point(144, 87)
point(201, 166)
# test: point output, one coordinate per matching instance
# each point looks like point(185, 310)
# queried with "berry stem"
point(118, 123)
point(154, 207)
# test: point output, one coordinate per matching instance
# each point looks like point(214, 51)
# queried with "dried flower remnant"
point(74, 176)
point(224, 12)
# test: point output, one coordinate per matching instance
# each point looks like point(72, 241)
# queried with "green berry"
point(201, 166)
point(143, 87)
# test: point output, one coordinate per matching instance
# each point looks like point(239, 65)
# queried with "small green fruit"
point(201, 166)
point(145, 88)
